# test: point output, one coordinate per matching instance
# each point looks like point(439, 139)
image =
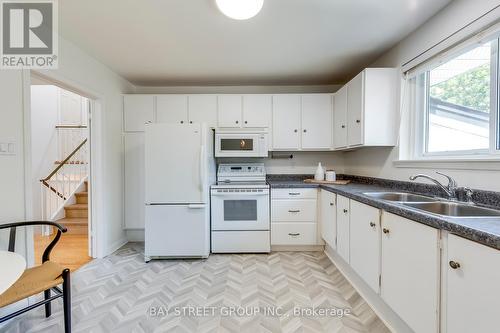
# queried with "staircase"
point(76, 215)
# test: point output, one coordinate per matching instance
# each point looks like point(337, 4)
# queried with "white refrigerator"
point(179, 169)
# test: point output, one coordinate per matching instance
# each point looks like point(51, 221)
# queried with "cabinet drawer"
point(293, 210)
point(293, 233)
point(294, 193)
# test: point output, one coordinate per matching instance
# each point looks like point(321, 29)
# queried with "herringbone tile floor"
point(121, 293)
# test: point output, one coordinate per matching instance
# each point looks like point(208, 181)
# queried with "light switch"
point(12, 148)
point(7, 148)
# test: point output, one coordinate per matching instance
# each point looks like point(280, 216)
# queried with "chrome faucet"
point(450, 189)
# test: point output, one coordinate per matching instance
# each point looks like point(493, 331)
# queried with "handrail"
point(64, 162)
point(71, 126)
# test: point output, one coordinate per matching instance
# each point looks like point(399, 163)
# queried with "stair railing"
point(64, 180)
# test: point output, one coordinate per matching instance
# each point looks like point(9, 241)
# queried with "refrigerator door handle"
point(196, 206)
point(202, 171)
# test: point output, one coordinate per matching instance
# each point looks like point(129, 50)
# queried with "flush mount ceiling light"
point(240, 9)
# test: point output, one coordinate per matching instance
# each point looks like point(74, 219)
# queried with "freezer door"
point(177, 231)
point(175, 163)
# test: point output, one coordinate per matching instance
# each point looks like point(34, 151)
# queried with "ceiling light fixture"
point(240, 9)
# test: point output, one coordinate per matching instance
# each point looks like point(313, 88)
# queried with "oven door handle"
point(227, 194)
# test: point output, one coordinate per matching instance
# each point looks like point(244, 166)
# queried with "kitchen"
point(343, 182)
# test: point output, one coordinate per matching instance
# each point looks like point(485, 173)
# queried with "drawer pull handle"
point(294, 211)
point(372, 224)
point(385, 230)
point(293, 193)
point(293, 234)
point(345, 211)
point(332, 204)
point(454, 264)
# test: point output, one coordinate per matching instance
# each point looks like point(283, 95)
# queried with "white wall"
point(44, 109)
point(378, 162)
point(86, 74)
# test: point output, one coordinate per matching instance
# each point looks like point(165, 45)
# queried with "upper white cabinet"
point(317, 116)
point(471, 287)
point(340, 118)
point(286, 122)
point(368, 108)
point(229, 111)
point(172, 109)
point(302, 122)
point(257, 110)
point(203, 109)
point(343, 221)
point(364, 244)
point(410, 273)
point(138, 110)
point(328, 217)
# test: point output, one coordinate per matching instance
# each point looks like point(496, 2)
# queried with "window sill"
point(486, 163)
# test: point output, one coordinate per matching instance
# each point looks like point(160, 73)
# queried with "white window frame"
point(418, 111)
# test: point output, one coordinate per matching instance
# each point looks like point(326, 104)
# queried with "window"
point(456, 103)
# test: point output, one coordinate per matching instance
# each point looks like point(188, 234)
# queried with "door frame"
point(96, 172)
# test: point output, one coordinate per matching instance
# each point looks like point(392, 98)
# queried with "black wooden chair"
point(45, 277)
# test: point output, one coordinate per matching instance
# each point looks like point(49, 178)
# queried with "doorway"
point(60, 168)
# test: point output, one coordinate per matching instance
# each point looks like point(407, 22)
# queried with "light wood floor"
point(71, 251)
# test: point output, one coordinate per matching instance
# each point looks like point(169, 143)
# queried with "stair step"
point(77, 210)
point(75, 225)
point(82, 198)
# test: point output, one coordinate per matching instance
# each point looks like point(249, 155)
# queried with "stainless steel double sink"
point(436, 206)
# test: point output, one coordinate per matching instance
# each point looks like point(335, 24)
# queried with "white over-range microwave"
point(241, 143)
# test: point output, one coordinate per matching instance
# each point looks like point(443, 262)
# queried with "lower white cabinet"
point(343, 227)
point(364, 244)
point(471, 287)
point(294, 217)
point(328, 217)
point(134, 180)
point(410, 272)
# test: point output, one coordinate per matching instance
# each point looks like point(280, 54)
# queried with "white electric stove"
point(240, 211)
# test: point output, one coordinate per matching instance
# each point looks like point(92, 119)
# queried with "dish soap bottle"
point(320, 173)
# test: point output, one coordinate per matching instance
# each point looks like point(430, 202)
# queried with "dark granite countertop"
point(482, 230)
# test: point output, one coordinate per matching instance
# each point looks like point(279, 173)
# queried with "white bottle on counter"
point(320, 173)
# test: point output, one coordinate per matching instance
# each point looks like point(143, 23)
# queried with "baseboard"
point(116, 245)
point(381, 309)
point(135, 235)
point(297, 248)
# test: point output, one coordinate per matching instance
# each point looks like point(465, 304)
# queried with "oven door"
point(240, 209)
point(237, 145)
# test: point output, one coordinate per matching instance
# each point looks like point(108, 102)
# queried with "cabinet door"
point(317, 121)
point(229, 111)
point(410, 271)
point(343, 227)
point(472, 290)
point(328, 218)
point(172, 109)
point(340, 118)
point(134, 180)
point(286, 122)
point(355, 104)
point(138, 110)
point(203, 109)
point(364, 244)
point(257, 111)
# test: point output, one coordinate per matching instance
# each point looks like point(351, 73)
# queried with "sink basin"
point(399, 196)
point(454, 209)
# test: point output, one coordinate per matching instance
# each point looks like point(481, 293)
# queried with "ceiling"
point(189, 42)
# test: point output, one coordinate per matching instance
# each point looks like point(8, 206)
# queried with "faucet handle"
point(452, 183)
point(468, 194)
